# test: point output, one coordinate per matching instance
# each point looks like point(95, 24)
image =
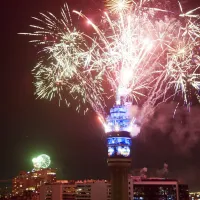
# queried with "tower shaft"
point(119, 178)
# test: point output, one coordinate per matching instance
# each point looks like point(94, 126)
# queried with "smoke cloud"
point(163, 172)
point(133, 112)
point(180, 124)
point(189, 175)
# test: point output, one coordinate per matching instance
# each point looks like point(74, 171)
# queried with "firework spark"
point(131, 56)
point(117, 6)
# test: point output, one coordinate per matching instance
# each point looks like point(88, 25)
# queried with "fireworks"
point(42, 161)
point(135, 53)
point(118, 5)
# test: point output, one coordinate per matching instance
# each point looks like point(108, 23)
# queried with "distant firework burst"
point(135, 53)
point(42, 161)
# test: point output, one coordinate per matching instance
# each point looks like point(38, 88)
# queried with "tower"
point(118, 128)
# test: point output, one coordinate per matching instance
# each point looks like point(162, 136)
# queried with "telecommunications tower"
point(118, 127)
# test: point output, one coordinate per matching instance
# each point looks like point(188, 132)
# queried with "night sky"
point(76, 143)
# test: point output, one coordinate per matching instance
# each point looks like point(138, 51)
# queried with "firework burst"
point(117, 6)
point(131, 55)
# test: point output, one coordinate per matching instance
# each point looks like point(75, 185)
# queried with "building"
point(79, 190)
point(5, 192)
point(138, 189)
point(194, 195)
point(31, 181)
point(64, 190)
point(89, 190)
point(157, 188)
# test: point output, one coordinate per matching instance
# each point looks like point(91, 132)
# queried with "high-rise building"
point(31, 181)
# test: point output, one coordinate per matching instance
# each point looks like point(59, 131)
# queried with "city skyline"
point(75, 142)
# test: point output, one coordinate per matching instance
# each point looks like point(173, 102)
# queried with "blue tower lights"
point(119, 125)
point(120, 119)
point(118, 146)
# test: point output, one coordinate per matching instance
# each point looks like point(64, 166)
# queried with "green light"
point(42, 161)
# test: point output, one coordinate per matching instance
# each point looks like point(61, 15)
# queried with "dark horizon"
point(75, 143)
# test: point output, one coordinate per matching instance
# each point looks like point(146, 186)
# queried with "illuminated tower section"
point(118, 128)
